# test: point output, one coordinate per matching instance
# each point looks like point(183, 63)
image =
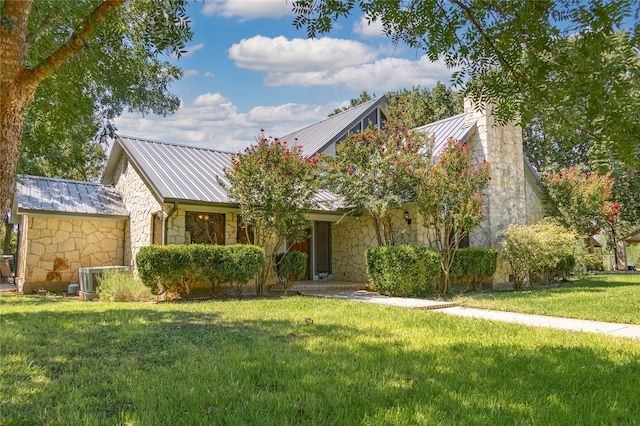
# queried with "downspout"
point(165, 222)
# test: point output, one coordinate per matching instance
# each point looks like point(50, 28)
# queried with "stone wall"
point(141, 203)
point(57, 248)
point(176, 230)
point(534, 197)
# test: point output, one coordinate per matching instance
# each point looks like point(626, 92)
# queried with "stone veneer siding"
point(141, 203)
point(58, 247)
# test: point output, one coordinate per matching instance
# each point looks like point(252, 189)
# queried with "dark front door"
point(303, 246)
point(323, 247)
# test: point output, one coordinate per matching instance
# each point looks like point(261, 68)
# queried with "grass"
point(301, 361)
point(611, 298)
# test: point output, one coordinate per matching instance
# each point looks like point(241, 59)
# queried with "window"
point(244, 233)
point(205, 228)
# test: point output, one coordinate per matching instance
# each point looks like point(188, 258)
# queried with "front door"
point(303, 246)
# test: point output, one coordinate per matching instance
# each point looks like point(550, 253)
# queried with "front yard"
point(300, 360)
point(611, 298)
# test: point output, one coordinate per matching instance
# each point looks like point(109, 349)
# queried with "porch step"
point(320, 285)
point(7, 288)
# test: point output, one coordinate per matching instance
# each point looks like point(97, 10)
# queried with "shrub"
point(533, 250)
point(118, 286)
point(473, 265)
point(403, 270)
point(165, 268)
point(176, 268)
point(242, 263)
point(290, 267)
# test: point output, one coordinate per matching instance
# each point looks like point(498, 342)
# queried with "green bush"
point(472, 265)
point(290, 267)
point(176, 268)
point(403, 270)
point(118, 286)
point(242, 263)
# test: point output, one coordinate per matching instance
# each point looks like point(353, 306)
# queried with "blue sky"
point(248, 68)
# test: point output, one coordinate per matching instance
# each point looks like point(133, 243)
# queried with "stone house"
point(169, 194)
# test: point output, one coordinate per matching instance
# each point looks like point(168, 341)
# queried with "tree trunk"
point(8, 228)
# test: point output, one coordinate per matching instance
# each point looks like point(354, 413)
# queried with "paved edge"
point(369, 297)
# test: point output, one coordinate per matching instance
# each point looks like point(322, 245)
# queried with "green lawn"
point(301, 360)
point(612, 298)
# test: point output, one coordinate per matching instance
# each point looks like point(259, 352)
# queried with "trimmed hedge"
point(175, 268)
point(473, 265)
point(290, 267)
point(403, 270)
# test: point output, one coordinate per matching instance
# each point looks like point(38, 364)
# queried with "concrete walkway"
point(609, 328)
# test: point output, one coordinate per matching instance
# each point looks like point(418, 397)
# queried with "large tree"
point(105, 53)
point(572, 63)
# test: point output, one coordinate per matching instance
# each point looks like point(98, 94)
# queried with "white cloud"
point(381, 75)
point(190, 73)
point(190, 50)
point(248, 9)
point(366, 29)
point(213, 121)
point(280, 54)
point(208, 74)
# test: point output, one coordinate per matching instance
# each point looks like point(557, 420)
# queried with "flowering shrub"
point(274, 186)
point(377, 170)
point(450, 199)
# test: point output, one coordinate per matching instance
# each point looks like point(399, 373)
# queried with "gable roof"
point(634, 238)
point(36, 194)
point(317, 137)
point(174, 172)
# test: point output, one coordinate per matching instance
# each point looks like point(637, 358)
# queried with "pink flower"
point(350, 170)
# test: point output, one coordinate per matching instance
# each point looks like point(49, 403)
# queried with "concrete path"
point(609, 328)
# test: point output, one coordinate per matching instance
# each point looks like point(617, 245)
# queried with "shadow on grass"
point(209, 365)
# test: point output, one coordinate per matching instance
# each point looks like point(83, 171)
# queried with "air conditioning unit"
point(89, 279)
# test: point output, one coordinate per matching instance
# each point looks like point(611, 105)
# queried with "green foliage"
point(13, 239)
point(290, 267)
point(544, 61)
point(472, 265)
point(403, 270)
point(533, 250)
point(116, 286)
point(176, 268)
point(578, 198)
point(364, 97)
point(377, 170)
point(165, 268)
point(274, 186)
point(450, 199)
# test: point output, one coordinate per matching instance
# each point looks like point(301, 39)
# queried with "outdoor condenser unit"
point(89, 279)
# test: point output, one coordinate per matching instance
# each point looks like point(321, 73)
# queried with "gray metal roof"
point(453, 127)
point(316, 137)
point(179, 172)
point(49, 195)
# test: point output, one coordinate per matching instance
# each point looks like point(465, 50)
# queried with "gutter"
point(165, 222)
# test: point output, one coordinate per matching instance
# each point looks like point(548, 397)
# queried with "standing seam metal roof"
point(43, 194)
point(316, 137)
point(455, 127)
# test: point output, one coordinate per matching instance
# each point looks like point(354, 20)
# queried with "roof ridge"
point(60, 180)
point(180, 145)
point(441, 120)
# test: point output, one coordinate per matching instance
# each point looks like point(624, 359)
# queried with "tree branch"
point(76, 42)
point(44, 27)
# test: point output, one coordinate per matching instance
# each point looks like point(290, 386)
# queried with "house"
point(155, 192)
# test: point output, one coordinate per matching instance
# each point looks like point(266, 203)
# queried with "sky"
point(248, 68)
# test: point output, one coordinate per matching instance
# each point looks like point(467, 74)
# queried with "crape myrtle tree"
point(378, 170)
point(106, 53)
point(572, 63)
point(274, 186)
point(450, 199)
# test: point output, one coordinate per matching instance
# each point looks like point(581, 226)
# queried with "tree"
point(364, 97)
point(376, 171)
point(450, 199)
point(274, 186)
point(575, 63)
point(107, 52)
point(422, 106)
point(577, 198)
point(610, 218)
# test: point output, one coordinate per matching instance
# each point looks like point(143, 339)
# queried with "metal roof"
point(49, 195)
point(179, 172)
point(455, 127)
point(316, 137)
